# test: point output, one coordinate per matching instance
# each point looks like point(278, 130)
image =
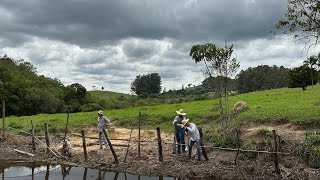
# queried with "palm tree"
point(311, 61)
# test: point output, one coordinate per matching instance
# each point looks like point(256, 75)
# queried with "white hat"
point(100, 112)
point(181, 112)
point(184, 122)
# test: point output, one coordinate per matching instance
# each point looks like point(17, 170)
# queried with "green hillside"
point(107, 94)
point(289, 105)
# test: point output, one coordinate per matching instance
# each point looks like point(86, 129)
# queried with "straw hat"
point(100, 112)
point(181, 112)
point(184, 122)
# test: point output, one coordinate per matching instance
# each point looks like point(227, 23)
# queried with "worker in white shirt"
point(103, 122)
point(192, 129)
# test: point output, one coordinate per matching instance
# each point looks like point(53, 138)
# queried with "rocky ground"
point(221, 163)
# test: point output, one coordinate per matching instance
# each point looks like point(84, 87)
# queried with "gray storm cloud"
point(109, 43)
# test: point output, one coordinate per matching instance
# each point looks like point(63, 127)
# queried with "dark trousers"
point(180, 140)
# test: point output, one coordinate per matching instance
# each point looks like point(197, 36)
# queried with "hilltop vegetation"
point(107, 94)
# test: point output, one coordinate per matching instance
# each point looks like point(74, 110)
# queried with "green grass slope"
point(285, 104)
point(107, 94)
point(289, 105)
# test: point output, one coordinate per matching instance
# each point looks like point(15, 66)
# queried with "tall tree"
point(75, 96)
point(300, 77)
point(146, 84)
point(262, 77)
point(217, 62)
point(311, 62)
point(302, 19)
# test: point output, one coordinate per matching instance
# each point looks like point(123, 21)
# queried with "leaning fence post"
point(46, 133)
point(159, 145)
point(84, 145)
point(276, 160)
point(204, 152)
point(33, 139)
point(111, 147)
point(125, 157)
point(139, 133)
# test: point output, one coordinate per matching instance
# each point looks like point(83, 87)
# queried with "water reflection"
point(59, 172)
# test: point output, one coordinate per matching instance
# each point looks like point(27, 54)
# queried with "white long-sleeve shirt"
point(103, 121)
point(193, 131)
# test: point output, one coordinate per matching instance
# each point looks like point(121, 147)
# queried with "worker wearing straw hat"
point(195, 136)
point(103, 122)
point(179, 131)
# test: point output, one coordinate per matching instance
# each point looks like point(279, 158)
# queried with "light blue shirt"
point(193, 131)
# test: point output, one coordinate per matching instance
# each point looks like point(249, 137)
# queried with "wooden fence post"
point(32, 173)
point(111, 147)
point(84, 145)
point(174, 149)
point(159, 145)
point(47, 173)
point(238, 139)
point(3, 117)
point(139, 134)
point(33, 139)
point(65, 133)
point(276, 158)
point(204, 152)
point(85, 172)
point(46, 133)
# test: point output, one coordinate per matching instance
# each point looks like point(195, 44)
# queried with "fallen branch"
point(23, 152)
point(60, 156)
point(94, 144)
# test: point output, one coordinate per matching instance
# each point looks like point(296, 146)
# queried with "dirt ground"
point(221, 163)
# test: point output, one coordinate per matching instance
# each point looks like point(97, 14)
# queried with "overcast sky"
point(107, 44)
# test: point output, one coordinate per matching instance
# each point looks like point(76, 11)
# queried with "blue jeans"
point(102, 136)
point(180, 140)
point(198, 148)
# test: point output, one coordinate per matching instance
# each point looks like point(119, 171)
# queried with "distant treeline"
point(27, 93)
point(253, 79)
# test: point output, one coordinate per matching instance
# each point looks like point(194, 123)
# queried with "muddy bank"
point(220, 165)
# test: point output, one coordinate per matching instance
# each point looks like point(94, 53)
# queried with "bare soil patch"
point(220, 165)
point(288, 131)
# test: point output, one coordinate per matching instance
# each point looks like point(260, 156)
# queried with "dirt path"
point(220, 165)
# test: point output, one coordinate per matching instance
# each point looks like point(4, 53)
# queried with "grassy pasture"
point(288, 105)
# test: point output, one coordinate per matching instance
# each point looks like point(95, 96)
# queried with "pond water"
point(59, 172)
